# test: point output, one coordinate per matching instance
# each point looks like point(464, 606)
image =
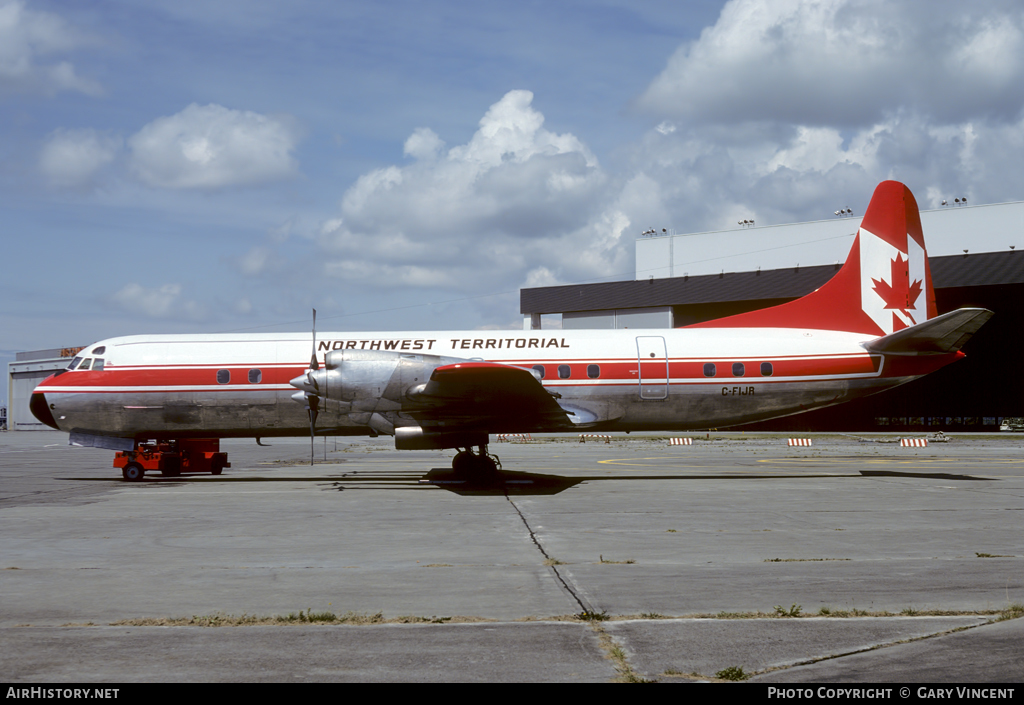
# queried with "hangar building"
point(28, 370)
point(975, 258)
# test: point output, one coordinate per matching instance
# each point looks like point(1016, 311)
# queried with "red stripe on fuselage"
point(612, 372)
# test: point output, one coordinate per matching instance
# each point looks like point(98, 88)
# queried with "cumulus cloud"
point(786, 110)
point(846, 63)
point(164, 302)
point(71, 158)
point(29, 40)
point(423, 143)
point(489, 210)
point(209, 147)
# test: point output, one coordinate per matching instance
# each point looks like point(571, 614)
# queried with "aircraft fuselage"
point(178, 386)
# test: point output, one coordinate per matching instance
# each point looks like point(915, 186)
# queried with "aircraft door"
point(652, 366)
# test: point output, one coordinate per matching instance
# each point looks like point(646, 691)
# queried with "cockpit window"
point(74, 363)
point(86, 363)
point(99, 351)
point(97, 364)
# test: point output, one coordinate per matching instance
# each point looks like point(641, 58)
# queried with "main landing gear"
point(468, 464)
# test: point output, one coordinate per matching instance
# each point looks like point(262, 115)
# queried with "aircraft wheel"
point(487, 465)
point(463, 463)
point(471, 466)
point(216, 467)
point(133, 472)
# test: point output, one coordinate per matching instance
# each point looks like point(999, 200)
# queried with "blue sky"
point(186, 166)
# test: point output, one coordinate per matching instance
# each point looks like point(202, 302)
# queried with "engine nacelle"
point(369, 380)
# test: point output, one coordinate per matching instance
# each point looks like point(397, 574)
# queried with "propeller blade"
point(313, 363)
point(312, 399)
point(314, 411)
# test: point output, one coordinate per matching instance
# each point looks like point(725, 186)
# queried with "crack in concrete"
point(551, 562)
point(612, 650)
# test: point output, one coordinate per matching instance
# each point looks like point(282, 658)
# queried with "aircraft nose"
point(41, 410)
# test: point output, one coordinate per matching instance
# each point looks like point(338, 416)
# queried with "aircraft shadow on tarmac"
point(501, 483)
point(507, 482)
point(923, 475)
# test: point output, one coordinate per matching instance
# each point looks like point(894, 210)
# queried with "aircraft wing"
point(937, 336)
point(485, 395)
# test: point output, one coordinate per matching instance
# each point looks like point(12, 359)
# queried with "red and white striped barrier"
point(509, 437)
point(914, 442)
point(799, 441)
point(585, 436)
point(680, 441)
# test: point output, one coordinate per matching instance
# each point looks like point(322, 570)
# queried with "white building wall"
point(947, 231)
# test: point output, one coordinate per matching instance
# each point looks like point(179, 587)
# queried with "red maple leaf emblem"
point(900, 295)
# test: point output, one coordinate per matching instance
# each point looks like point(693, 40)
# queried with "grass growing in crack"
point(618, 655)
point(592, 616)
point(802, 560)
point(732, 673)
point(302, 617)
point(1011, 612)
point(793, 611)
point(626, 562)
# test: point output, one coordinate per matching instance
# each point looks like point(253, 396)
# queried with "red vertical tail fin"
point(884, 286)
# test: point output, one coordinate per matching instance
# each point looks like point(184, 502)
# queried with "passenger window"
point(255, 376)
point(737, 369)
point(563, 372)
point(74, 363)
point(593, 371)
point(223, 376)
point(97, 364)
point(540, 370)
point(85, 364)
point(709, 369)
point(766, 369)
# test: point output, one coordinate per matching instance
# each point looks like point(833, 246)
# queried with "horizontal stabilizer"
point(941, 335)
